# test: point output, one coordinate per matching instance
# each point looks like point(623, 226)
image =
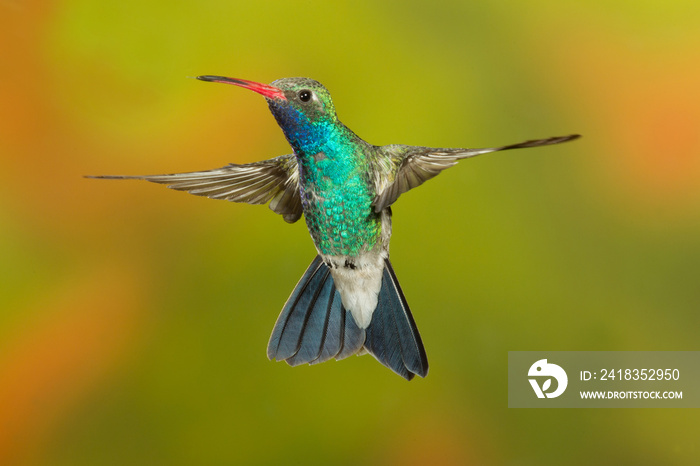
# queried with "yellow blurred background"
point(134, 319)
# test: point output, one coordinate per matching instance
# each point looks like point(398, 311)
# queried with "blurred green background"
point(134, 319)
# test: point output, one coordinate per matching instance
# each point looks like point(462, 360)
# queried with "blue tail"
point(314, 326)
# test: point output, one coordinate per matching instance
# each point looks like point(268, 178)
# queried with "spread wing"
point(275, 181)
point(407, 167)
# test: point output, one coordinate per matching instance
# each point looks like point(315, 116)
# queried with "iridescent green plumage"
point(337, 188)
point(349, 300)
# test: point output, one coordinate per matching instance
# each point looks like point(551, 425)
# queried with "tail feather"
point(333, 336)
point(286, 335)
point(392, 336)
point(314, 326)
point(412, 348)
point(353, 337)
point(383, 340)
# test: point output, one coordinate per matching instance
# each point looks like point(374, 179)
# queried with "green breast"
point(337, 189)
point(340, 217)
point(337, 195)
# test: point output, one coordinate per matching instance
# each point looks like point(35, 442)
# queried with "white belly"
point(358, 280)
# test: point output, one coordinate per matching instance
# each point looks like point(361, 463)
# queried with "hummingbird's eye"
point(305, 95)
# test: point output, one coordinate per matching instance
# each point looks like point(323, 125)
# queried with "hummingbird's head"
point(300, 105)
point(305, 99)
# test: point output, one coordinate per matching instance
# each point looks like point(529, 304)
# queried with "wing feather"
point(411, 166)
point(275, 181)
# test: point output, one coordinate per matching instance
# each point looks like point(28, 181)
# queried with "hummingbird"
point(349, 300)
